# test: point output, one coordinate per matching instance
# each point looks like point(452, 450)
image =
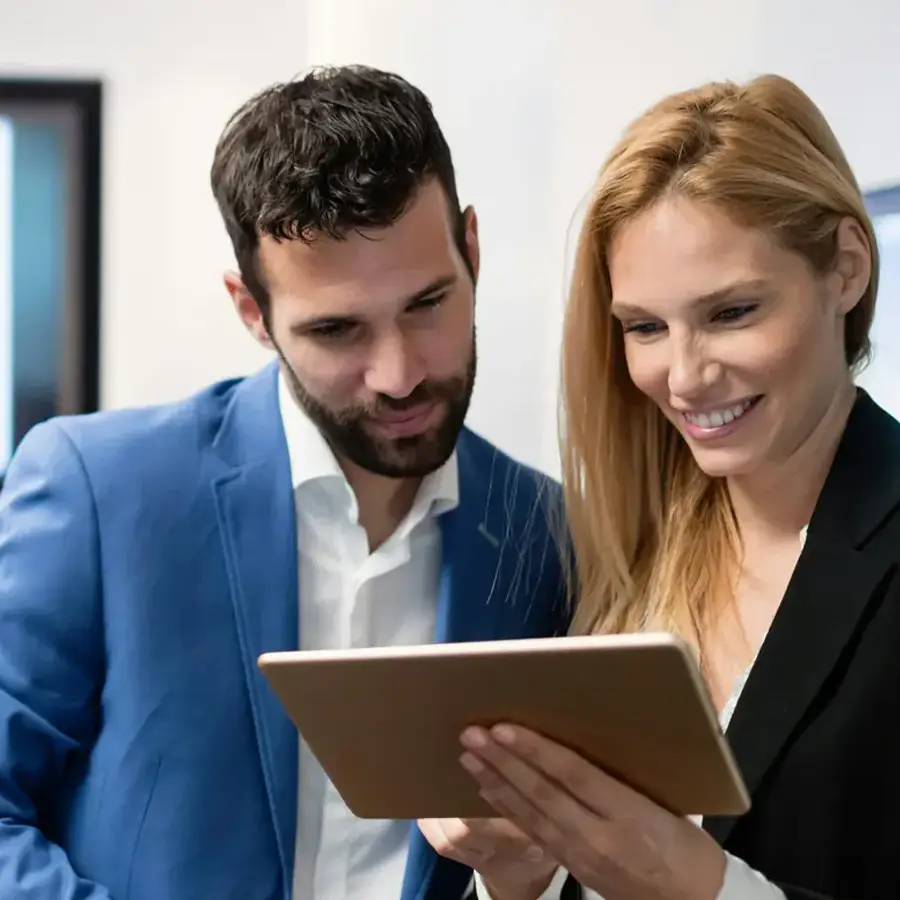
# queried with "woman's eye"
point(644, 328)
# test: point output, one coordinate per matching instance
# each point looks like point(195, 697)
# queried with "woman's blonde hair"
point(655, 539)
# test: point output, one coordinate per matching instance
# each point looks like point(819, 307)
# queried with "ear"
point(248, 309)
point(853, 264)
point(471, 231)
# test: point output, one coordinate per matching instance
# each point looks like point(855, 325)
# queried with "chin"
point(724, 464)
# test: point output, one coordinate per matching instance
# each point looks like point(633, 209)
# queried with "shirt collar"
point(311, 459)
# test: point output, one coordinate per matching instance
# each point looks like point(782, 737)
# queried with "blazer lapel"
point(255, 507)
point(470, 608)
point(826, 599)
point(818, 617)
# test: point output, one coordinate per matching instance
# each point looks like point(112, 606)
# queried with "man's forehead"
point(352, 266)
point(397, 256)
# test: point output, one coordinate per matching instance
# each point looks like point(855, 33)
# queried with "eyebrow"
point(436, 286)
point(753, 285)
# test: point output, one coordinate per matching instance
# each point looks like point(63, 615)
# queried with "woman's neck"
point(777, 503)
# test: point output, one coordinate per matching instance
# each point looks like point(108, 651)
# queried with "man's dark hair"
point(338, 150)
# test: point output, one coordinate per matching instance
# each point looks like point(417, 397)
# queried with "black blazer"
point(816, 732)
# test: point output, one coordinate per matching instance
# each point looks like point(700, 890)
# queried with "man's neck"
point(383, 502)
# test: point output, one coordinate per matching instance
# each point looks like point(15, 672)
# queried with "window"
point(882, 378)
point(49, 253)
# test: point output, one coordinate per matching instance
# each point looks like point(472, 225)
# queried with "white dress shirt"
point(350, 597)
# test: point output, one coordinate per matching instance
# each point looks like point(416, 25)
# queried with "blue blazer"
point(147, 558)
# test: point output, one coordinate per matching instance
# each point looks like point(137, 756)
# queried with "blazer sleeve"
point(51, 655)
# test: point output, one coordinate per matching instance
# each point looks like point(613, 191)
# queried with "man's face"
point(376, 335)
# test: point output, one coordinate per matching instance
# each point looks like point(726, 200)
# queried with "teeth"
point(719, 417)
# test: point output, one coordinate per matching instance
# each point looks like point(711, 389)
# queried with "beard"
point(347, 430)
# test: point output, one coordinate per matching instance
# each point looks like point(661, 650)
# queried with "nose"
point(691, 370)
point(394, 368)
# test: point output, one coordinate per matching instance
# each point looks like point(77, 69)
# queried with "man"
point(147, 557)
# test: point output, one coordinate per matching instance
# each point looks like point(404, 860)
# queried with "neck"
point(777, 504)
point(383, 502)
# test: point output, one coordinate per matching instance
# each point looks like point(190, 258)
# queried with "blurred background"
point(111, 250)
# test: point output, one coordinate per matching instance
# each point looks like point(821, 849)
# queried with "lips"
point(718, 423)
point(718, 417)
point(408, 422)
point(404, 416)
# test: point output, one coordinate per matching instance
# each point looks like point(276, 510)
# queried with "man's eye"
point(428, 303)
point(733, 313)
point(332, 330)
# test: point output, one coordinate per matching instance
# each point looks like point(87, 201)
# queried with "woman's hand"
point(613, 839)
point(511, 865)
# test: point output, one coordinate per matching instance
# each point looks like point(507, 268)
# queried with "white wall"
point(531, 94)
point(175, 70)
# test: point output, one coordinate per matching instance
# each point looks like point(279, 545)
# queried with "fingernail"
point(503, 734)
point(534, 854)
point(474, 738)
point(471, 764)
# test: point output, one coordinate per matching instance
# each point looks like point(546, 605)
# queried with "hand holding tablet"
point(610, 837)
point(506, 858)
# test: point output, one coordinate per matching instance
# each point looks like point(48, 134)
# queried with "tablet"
point(384, 723)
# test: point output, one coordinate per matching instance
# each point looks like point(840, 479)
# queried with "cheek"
point(770, 358)
point(445, 347)
point(648, 369)
point(328, 375)
point(442, 357)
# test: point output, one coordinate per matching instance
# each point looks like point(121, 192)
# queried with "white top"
point(352, 598)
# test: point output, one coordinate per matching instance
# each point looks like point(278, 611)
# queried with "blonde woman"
point(726, 481)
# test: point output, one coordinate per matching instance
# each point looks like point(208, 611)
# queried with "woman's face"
point(737, 340)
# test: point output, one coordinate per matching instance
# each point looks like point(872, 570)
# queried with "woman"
point(726, 481)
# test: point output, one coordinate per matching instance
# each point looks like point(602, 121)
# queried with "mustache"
point(422, 393)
